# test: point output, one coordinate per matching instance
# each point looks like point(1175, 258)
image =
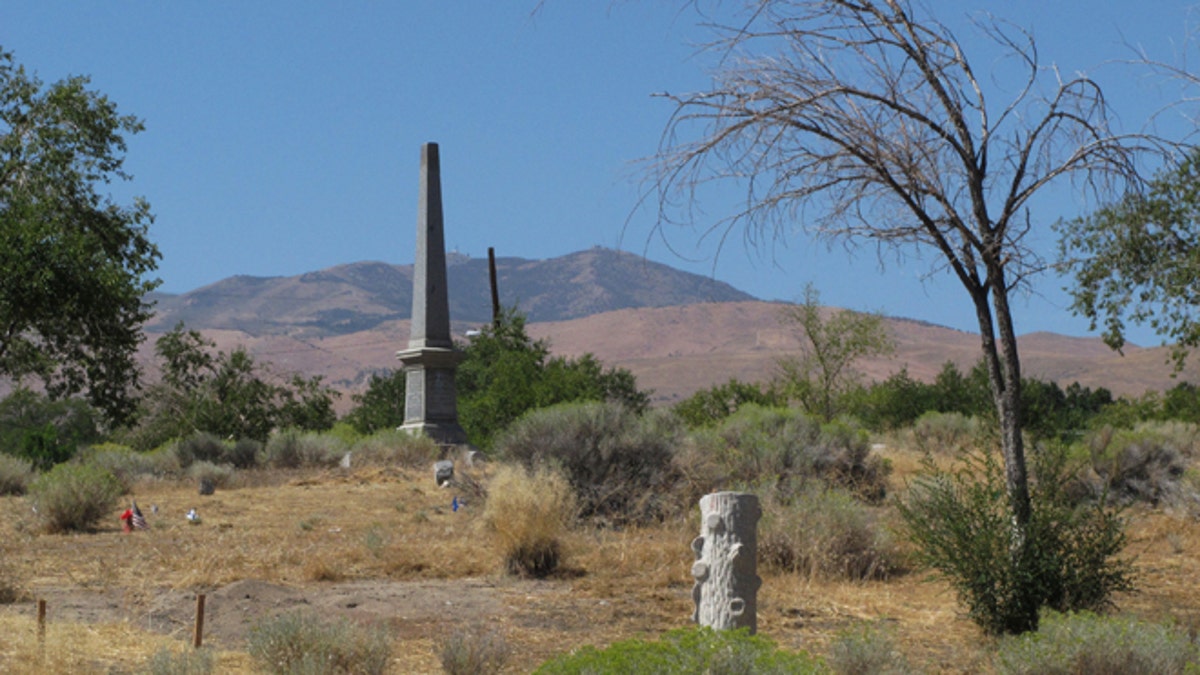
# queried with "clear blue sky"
point(284, 137)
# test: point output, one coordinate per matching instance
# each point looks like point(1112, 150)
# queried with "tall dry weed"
point(526, 514)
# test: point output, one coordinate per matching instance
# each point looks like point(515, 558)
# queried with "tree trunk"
point(726, 567)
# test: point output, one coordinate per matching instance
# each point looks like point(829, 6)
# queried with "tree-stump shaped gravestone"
point(726, 567)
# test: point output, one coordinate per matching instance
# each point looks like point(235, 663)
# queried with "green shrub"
point(395, 448)
point(218, 475)
point(243, 454)
point(304, 643)
point(866, 650)
point(1087, 643)
point(293, 448)
point(526, 514)
point(166, 661)
point(199, 447)
point(691, 651)
point(960, 521)
point(794, 448)
point(944, 433)
point(824, 533)
point(74, 497)
point(618, 463)
point(15, 475)
point(121, 461)
point(473, 651)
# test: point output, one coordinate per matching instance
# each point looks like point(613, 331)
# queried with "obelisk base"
point(430, 407)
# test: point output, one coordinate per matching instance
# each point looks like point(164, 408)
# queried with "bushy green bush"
point(243, 454)
point(824, 533)
point(794, 447)
point(216, 475)
point(304, 643)
point(1097, 645)
point(74, 497)
point(293, 448)
point(473, 651)
point(944, 433)
point(122, 461)
point(690, 651)
point(618, 463)
point(960, 521)
point(199, 447)
point(395, 448)
point(15, 475)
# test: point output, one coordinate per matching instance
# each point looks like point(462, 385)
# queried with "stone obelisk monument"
point(430, 406)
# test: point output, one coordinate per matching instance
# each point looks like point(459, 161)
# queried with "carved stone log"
point(726, 566)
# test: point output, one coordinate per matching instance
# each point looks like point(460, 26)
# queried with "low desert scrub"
point(824, 533)
point(123, 462)
point(199, 447)
point(866, 650)
point(1145, 464)
point(395, 448)
point(617, 462)
point(944, 433)
point(1097, 645)
point(686, 651)
point(526, 514)
point(216, 475)
point(292, 449)
point(794, 447)
point(15, 475)
point(960, 522)
point(304, 643)
point(168, 661)
point(74, 497)
point(473, 651)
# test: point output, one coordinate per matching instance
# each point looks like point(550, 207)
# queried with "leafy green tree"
point(46, 431)
point(381, 405)
point(824, 370)
point(1137, 261)
point(227, 395)
point(707, 407)
point(74, 262)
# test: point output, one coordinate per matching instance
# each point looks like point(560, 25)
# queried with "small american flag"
point(136, 519)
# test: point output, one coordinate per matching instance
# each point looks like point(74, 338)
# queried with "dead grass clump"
point(15, 475)
point(474, 651)
point(303, 643)
point(526, 514)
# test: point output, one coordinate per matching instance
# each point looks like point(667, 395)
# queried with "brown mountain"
point(676, 332)
point(364, 296)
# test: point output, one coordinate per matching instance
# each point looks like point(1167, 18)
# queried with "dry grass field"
point(384, 546)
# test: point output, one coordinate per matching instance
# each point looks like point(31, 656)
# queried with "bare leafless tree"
point(860, 121)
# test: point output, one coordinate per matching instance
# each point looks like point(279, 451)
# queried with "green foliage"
point(1065, 559)
point(199, 447)
point(473, 651)
point(304, 643)
point(709, 406)
point(1097, 645)
point(45, 431)
point(1137, 261)
point(824, 533)
point(691, 651)
point(396, 448)
point(74, 262)
point(217, 475)
point(829, 347)
point(791, 448)
point(293, 448)
point(226, 395)
point(618, 463)
point(74, 497)
point(381, 406)
point(15, 475)
point(944, 433)
point(122, 462)
point(166, 661)
point(505, 374)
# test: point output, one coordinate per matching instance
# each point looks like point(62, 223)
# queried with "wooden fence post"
point(198, 637)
